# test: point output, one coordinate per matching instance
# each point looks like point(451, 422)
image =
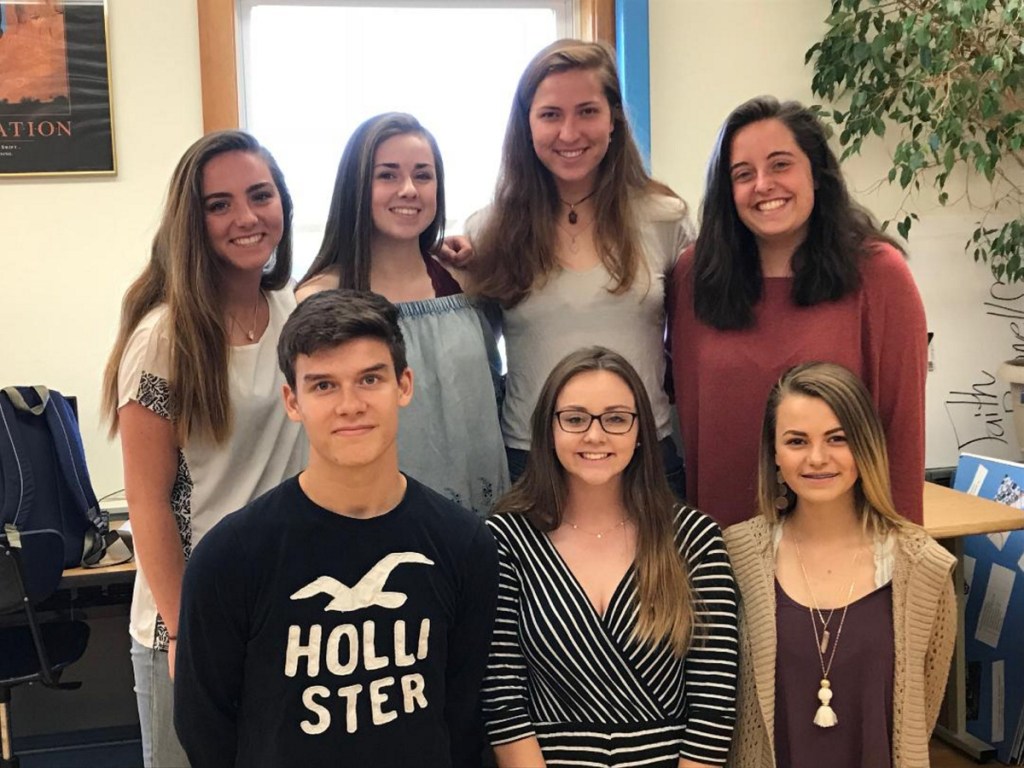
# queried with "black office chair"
point(32, 651)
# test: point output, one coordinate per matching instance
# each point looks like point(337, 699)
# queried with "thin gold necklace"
point(573, 247)
point(251, 333)
point(825, 717)
point(599, 534)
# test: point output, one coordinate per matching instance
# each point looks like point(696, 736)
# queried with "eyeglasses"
point(612, 422)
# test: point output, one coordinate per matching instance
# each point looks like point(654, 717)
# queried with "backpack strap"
point(19, 488)
point(67, 440)
point(19, 402)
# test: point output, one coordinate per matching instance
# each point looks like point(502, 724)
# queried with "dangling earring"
point(782, 493)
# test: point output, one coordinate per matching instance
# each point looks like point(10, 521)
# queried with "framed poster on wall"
point(55, 115)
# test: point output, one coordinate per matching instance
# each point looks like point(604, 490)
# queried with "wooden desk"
point(73, 578)
point(950, 514)
point(104, 575)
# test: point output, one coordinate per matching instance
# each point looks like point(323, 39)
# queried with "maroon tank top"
point(861, 679)
point(442, 282)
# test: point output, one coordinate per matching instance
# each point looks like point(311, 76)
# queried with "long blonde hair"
point(843, 392)
point(664, 597)
point(183, 273)
point(516, 247)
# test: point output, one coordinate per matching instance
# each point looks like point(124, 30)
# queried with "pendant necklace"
point(600, 534)
point(573, 217)
point(251, 333)
point(825, 717)
point(574, 247)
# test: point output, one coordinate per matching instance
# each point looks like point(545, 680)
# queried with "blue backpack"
point(44, 483)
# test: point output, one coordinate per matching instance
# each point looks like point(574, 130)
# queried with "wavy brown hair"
point(516, 247)
point(665, 600)
point(184, 273)
point(843, 392)
point(349, 231)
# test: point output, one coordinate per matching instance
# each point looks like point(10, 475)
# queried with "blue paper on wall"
point(994, 623)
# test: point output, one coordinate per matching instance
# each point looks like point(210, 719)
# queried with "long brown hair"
point(826, 266)
point(665, 601)
point(349, 229)
point(183, 273)
point(516, 247)
point(843, 392)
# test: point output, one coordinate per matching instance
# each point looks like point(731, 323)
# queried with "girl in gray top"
point(579, 239)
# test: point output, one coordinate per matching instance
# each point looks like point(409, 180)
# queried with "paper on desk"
point(969, 572)
point(1020, 564)
point(998, 700)
point(993, 609)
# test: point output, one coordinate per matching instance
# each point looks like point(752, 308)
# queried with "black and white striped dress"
point(582, 685)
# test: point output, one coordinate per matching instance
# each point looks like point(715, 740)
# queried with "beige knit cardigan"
point(924, 626)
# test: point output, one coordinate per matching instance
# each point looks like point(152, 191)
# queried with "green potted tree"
point(947, 78)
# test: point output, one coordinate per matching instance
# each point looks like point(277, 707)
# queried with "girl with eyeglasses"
point(615, 639)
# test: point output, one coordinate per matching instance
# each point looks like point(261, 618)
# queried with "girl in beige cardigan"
point(847, 617)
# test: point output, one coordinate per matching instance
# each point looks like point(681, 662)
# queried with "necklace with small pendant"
point(599, 534)
point(573, 217)
point(574, 247)
point(250, 333)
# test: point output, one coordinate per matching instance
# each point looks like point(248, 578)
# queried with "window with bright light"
point(313, 70)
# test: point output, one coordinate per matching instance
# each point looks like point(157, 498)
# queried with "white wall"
point(71, 246)
point(708, 56)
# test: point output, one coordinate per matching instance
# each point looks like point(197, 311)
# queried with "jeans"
point(154, 694)
point(674, 471)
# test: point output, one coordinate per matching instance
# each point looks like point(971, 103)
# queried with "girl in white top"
point(193, 388)
point(579, 239)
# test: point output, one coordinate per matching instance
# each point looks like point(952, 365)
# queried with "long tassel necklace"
point(573, 217)
point(825, 717)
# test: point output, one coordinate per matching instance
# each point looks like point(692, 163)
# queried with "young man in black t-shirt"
point(343, 618)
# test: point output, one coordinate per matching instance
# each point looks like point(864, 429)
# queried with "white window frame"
point(567, 25)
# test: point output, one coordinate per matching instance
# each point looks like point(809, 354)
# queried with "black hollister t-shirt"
point(308, 638)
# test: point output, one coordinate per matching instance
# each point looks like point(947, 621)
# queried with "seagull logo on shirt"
point(368, 591)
